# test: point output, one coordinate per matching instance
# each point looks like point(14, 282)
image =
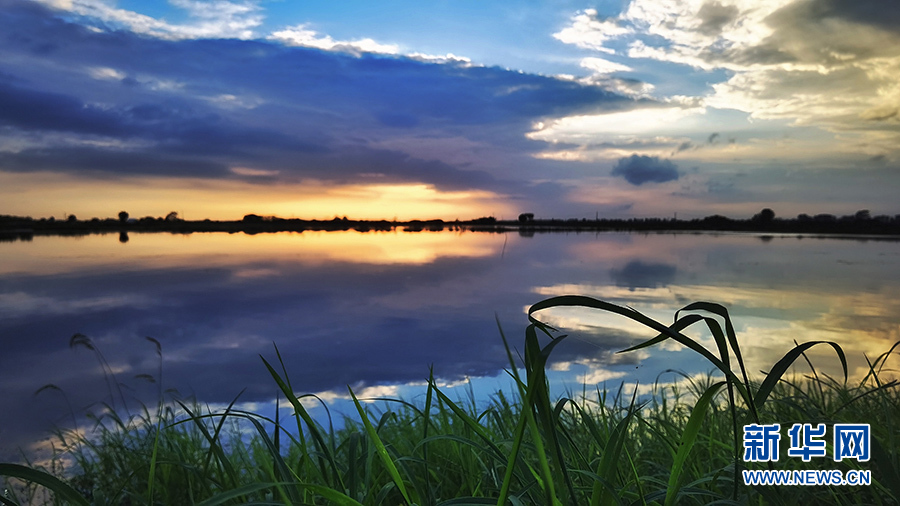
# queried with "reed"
point(679, 444)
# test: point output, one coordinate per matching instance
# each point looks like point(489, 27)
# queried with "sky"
point(453, 110)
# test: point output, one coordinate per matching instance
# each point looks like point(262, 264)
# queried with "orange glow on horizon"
point(44, 195)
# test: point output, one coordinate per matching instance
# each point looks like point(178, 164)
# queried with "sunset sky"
point(398, 109)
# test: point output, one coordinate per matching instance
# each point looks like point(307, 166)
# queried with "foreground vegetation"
point(680, 444)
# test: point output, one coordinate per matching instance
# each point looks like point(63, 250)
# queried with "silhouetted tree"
point(863, 215)
point(173, 216)
point(764, 216)
point(71, 218)
point(123, 216)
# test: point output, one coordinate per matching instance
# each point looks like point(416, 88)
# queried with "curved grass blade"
point(666, 332)
point(61, 489)
point(879, 363)
point(720, 310)
point(785, 363)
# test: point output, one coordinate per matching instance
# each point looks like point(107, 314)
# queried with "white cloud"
point(229, 101)
point(301, 35)
point(602, 66)
point(106, 74)
point(814, 63)
point(599, 375)
point(209, 19)
point(447, 58)
point(590, 31)
point(645, 130)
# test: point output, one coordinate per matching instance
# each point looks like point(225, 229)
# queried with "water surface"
point(375, 310)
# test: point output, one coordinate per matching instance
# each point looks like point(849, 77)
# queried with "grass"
point(680, 444)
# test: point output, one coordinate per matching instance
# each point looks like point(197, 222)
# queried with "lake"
point(376, 310)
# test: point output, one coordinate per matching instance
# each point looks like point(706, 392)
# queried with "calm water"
point(375, 310)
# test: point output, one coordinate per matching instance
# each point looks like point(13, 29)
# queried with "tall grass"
point(677, 445)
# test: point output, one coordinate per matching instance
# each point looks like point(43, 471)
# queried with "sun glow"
point(45, 195)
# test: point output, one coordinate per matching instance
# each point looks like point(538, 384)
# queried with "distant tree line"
point(861, 222)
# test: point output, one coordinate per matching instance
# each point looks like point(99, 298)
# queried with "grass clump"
point(679, 444)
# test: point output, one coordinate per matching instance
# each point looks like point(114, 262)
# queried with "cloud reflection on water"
point(376, 310)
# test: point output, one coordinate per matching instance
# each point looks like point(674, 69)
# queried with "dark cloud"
point(122, 162)
point(32, 110)
point(807, 31)
point(199, 107)
point(640, 169)
point(712, 137)
point(715, 16)
point(832, 33)
point(885, 15)
point(638, 274)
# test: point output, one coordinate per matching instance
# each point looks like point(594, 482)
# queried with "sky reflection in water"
point(375, 310)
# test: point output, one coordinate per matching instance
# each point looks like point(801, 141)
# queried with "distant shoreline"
point(14, 227)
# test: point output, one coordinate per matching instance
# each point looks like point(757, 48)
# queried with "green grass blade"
point(602, 492)
point(471, 423)
point(879, 363)
point(467, 501)
point(215, 448)
point(535, 363)
point(426, 423)
point(522, 423)
point(890, 475)
point(152, 478)
point(518, 437)
point(688, 437)
point(665, 332)
point(720, 310)
point(380, 449)
point(671, 332)
point(318, 440)
point(61, 489)
point(330, 494)
point(778, 370)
